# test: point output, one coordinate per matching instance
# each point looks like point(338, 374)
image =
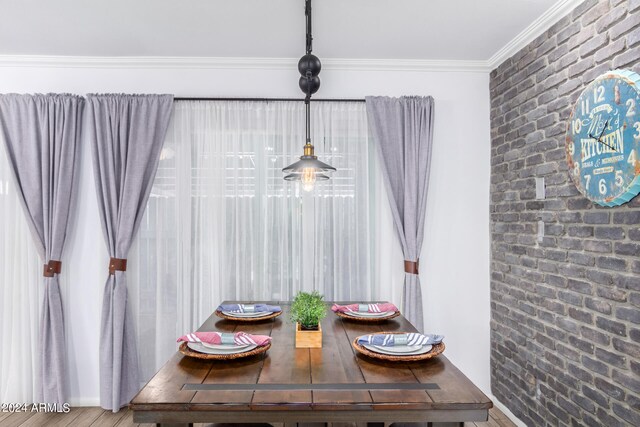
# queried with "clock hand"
point(599, 137)
point(593, 136)
point(603, 129)
point(610, 146)
point(602, 142)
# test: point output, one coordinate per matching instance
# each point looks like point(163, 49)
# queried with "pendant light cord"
point(308, 112)
point(307, 12)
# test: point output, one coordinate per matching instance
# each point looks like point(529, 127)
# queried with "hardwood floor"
point(98, 417)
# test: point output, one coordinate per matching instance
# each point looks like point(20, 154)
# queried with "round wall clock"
point(603, 139)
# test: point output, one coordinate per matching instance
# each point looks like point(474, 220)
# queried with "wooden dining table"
point(288, 385)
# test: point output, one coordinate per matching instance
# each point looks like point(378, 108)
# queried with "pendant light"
point(308, 169)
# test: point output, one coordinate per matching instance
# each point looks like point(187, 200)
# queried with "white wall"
point(455, 257)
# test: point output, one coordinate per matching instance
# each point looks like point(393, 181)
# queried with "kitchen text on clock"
point(612, 143)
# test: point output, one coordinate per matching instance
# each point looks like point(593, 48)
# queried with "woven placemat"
point(184, 349)
point(435, 350)
point(248, 319)
point(367, 319)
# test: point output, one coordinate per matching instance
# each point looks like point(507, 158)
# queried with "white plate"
point(392, 351)
point(225, 346)
point(363, 314)
point(399, 349)
point(258, 314)
point(202, 349)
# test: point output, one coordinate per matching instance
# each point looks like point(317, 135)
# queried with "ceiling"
point(371, 29)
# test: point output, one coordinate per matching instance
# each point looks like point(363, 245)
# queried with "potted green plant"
point(308, 310)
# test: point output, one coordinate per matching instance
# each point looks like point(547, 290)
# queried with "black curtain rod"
point(266, 99)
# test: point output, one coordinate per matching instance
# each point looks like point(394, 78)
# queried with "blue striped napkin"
point(390, 340)
point(249, 308)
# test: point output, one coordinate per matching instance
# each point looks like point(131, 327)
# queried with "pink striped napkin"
point(370, 308)
point(239, 338)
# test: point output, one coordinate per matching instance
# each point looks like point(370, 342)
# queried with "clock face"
point(603, 139)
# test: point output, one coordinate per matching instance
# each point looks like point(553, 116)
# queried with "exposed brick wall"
point(565, 316)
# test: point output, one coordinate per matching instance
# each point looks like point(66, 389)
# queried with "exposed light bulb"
point(308, 179)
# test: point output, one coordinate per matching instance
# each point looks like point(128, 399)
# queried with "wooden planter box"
point(308, 339)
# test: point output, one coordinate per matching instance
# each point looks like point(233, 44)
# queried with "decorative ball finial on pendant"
point(309, 67)
point(309, 63)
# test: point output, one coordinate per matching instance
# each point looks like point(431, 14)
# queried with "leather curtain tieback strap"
point(117, 264)
point(411, 267)
point(51, 268)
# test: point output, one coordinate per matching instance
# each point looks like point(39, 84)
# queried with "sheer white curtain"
point(223, 224)
point(20, 296)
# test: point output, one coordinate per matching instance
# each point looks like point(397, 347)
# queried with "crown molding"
point(444, 65)
point(552, 15)
point(151, 62)
point(143, 62)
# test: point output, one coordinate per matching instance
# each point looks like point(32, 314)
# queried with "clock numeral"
point(572, 149)
point(576, 168)
point(602, 186)
point(631, 103)
point(636, 125)
point(585, 106)
point(598, 94)
point(577, 126)
point(619, 179)
point(587, 178)
point(632, 158)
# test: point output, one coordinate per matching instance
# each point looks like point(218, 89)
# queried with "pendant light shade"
point(308, 169)
point(308, 162)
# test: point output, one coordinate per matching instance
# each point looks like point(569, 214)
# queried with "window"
point(222, 223)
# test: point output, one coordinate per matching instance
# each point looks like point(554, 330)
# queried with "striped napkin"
point(249, 308)
point(239, 338)
point(365, 308)
point(390, 340)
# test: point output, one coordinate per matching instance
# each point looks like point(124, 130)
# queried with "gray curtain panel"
point(403, 132)
point(126, 133)
point(42, 134)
